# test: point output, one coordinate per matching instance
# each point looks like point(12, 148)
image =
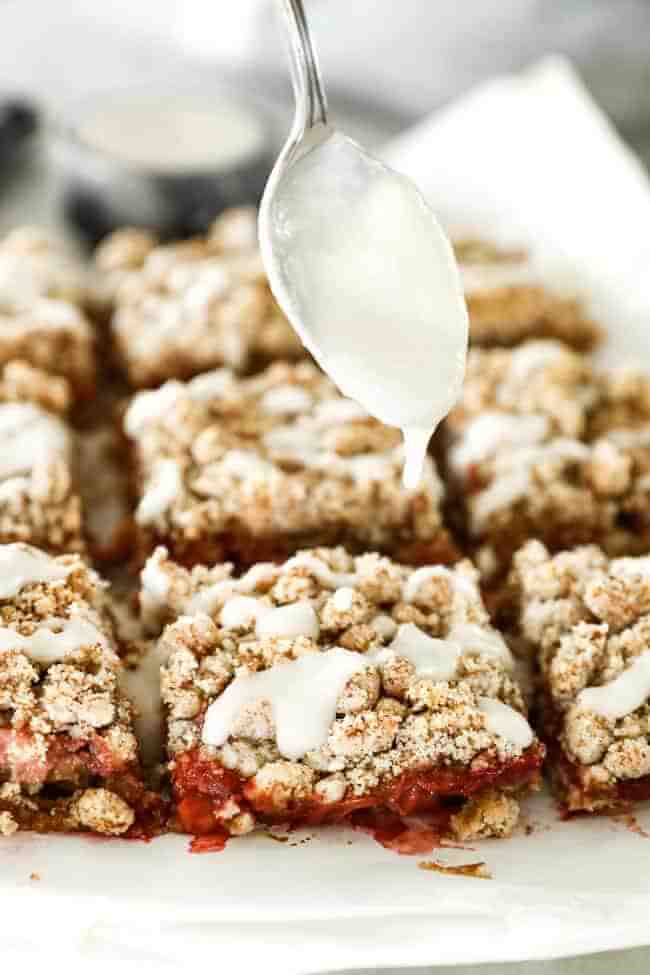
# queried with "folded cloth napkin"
point(531, 160)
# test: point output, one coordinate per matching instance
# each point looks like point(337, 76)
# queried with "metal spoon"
point(309, 127)
point(361, 268)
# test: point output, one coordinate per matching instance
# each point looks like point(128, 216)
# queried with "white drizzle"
point(621, 696)
point(29, 436)
point(302, 695)
point(485, 642)
point(241, 612)
point(292, 620)
point(457, 580)
point(22, 565)
point(286, 400)
point(505, 722)
point(164, 487)
point(54, 640)
point(321, 572)
point(533, 356)
point(490, 430)
point(437, 659)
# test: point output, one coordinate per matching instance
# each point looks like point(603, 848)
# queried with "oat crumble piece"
point(402, 737)
point(184, 307)
point(587, 619)
point(254, 468)
point(69, 758)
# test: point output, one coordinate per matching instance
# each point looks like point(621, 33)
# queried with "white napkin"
point(531, 160)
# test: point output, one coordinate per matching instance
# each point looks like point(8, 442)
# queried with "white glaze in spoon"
point(362, 269)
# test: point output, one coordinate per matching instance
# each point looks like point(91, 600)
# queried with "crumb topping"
point(59, 672)
point(33, 266)
point(39, 502)
point(281, 453)
point(588, 618)
point(186, 307)
point(537, 448)
point(391, 715)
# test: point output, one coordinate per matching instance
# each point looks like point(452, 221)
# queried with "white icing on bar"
point(29, 436)
point(335, 411)
point(302, 695)
point(485, 642)
point(287, 400)
point(384, 626)
point(246, 464)
point(621, 696)
point(292, 620)
point(150, 407)
point(513, 474)
point(437, 659)
point(321, 572)
point(54, 640)
point(504, 721)
point(631, 568)
point(489, 431)
point(240, 612)
point(210, 385)
point(164, 487)
point(457, 580)
point(533, 356)
point(343, 599)
point(21, 565)
point(489, 277)
point(630, 438)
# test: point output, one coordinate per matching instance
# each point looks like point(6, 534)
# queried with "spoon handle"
point(311, 104)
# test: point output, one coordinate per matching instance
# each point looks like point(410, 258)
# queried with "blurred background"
point(385, 63)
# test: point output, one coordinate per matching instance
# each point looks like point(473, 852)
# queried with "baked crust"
point(401, 742)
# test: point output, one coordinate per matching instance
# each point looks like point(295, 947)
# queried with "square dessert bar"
point(252, 469)
point(39, 500)
point(588, 620)
point(185, 307)
point(337, 688)
point(542, 446)
point(55, 336)
point(34, 265)
point(508, 301)
point(68, 756)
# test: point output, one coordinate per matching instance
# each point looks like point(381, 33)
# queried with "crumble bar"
point(52, 335)
point(34, 266)
point(508, 303)
point(186, 307)
point(39, 500)
point(252, 469)
point(337, 688)
point(68, 755)
point(588, 620)
point(543, 446)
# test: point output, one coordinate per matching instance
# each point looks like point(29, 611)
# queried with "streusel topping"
point(430, 680)
point(589, 619)
point(184, 307)
point(280, 453)
point(33, 265)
